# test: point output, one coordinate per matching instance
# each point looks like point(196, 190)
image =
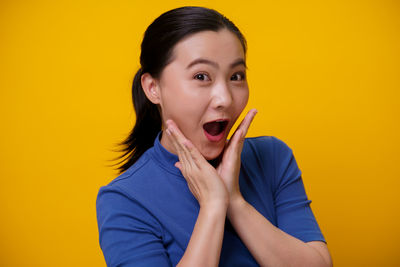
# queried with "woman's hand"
point(202, 178)
point(205, 182)
point(229, 167)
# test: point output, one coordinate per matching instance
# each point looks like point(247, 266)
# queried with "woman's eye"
point(202, 77)
point(240, 76)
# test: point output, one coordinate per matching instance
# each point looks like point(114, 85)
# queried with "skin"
point(187, 101)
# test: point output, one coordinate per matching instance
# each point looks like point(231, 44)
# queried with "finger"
point(241, 131)
point(237, 137)
point(195, 154)
point(175, 131)
point(180, 142)
point(178, 147)
point(245, 124)
point(235, 145)
point(186, 145)
point(191, 184)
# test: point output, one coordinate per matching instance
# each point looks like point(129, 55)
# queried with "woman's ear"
point(151, 88)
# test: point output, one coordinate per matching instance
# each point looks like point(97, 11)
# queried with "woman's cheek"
point(242, 100)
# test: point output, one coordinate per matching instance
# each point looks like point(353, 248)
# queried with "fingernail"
point(168, 132)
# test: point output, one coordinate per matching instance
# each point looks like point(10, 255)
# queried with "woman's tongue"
point(213, 128)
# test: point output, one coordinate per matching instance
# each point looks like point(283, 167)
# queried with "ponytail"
point(147, 126)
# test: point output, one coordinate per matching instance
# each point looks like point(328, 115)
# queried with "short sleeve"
point(293, 211)
point(129, 235)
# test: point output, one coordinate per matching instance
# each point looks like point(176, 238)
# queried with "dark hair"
point(156, 53)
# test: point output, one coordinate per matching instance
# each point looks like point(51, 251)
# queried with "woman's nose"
point(221, 96)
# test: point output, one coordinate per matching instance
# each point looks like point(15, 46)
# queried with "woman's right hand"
point(202, 178)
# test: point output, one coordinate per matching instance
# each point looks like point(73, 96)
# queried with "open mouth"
point(215, 129)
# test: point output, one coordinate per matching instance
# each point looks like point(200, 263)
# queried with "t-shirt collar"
point(164, 157)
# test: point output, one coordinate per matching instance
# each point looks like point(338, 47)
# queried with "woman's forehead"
point(218, 49)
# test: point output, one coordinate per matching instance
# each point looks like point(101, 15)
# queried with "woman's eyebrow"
point(237, 62)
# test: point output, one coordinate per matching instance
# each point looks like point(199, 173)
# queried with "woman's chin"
point(212, 153)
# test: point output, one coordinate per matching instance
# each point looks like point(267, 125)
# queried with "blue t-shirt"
point(147, 214)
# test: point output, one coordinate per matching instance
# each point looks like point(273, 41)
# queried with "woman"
point(186, 196)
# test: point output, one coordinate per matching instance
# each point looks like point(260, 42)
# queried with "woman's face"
point(204, 89)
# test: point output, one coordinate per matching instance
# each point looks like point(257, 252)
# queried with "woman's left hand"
point(229, 167)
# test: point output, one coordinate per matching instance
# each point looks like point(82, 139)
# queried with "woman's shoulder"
point(134, 175)
point(272, 157)
point(265, 145)
point(267, 153)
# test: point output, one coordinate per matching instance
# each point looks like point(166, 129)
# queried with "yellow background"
point(324, 76)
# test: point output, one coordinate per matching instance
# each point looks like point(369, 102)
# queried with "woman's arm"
point(205, 243)
point(269, 245)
